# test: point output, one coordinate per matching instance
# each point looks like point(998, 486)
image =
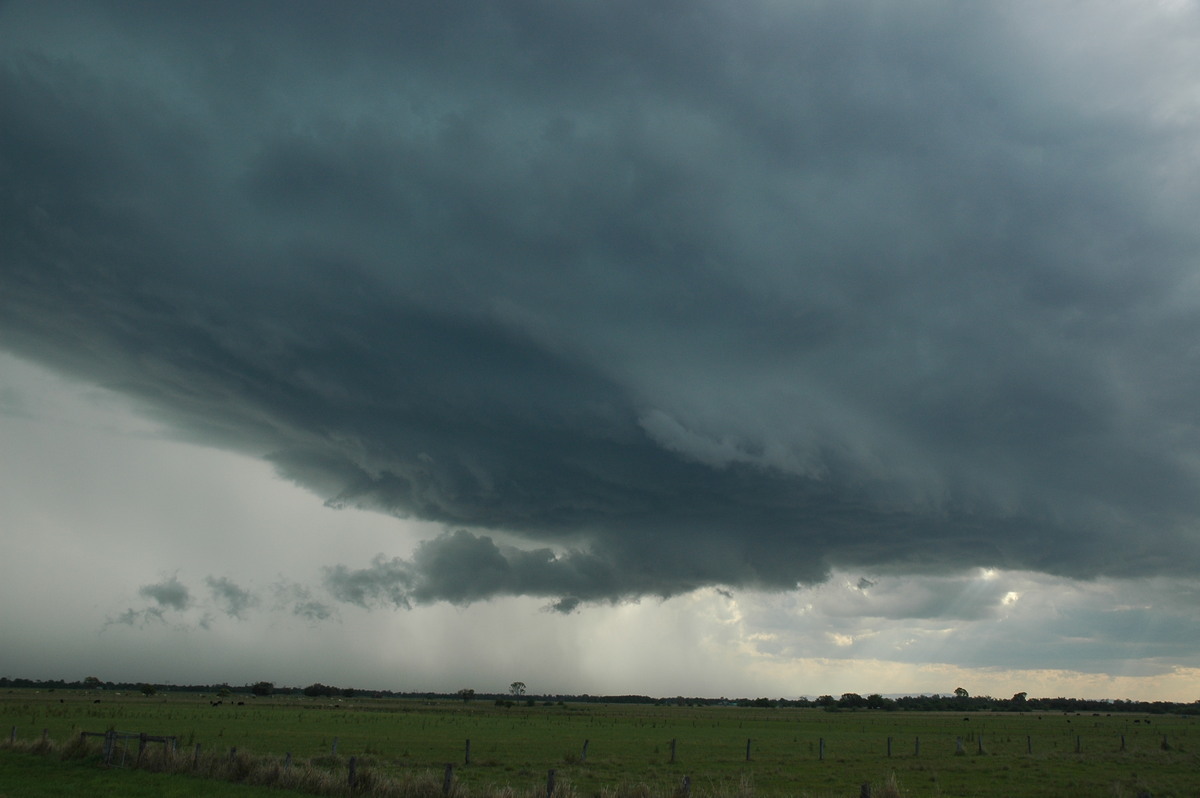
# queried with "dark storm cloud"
point(679, 294)
point(462, 568)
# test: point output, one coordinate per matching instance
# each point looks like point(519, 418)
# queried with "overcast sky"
point(705, 348)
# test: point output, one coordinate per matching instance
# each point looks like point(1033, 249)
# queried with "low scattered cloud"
point(137, 618)
point(233, 600)
point(170, 599)
point(169, 594)
point(297, 600)
point(173, 601)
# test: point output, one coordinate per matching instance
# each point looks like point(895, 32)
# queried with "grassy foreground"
point(401, 747)
point(31, 775)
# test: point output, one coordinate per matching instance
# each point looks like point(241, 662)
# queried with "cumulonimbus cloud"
point(826, 286)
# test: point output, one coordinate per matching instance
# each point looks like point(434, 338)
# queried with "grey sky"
point(633, 300)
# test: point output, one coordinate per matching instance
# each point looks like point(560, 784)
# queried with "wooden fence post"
point(233, 753)
point(686, 789)
point(821, 750)
point(672, 750)
point(353, 774)
point(46, 733)
point(110, 740)
point(980, 740)
point(287, 761)
point(1029, 744)
point(917, 747)
point(447, 779)
point(958, 748)
point(583, 755)
point(550, 783)
point(196, 757)
point(865, 790)
point(467, 753)
point(1122, 742)
point(1077, 743)
point(747, 749)
point(335, 742)
point(889, 748)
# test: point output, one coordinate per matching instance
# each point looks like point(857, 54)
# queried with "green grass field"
point(25, 775)
point(629, 746)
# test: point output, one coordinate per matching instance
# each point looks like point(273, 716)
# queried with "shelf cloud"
point(634, 298)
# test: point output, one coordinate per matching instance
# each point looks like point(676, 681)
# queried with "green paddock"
point(792, 751)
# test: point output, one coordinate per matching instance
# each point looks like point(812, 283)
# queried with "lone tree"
point(851, 701)
point(959, 692)
point(517, 688)
point(263, 688)
point(466, 694)
point(317, 690)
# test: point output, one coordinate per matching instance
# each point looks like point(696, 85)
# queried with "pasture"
point(792, 751)
point(33, 776)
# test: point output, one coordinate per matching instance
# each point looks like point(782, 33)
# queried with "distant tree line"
point(964, 703)
point(959, 701)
